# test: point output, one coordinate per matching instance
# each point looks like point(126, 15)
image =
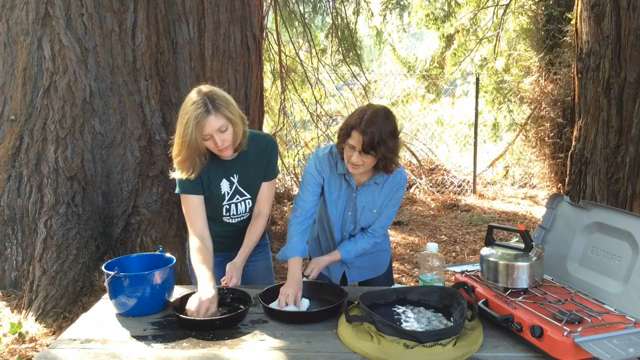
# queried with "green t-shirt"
point(230, 188)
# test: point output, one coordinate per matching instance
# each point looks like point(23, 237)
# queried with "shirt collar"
point(341, 168)
point(378, 177)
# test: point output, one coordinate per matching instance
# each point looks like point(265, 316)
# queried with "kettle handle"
point(490, 240)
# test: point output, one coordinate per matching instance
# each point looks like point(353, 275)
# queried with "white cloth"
point(304, 305)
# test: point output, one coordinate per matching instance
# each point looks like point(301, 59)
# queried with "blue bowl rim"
point(173, 262)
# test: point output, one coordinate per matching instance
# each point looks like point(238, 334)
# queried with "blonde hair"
point(188, 153)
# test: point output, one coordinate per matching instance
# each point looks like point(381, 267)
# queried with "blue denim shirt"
point(330, 212)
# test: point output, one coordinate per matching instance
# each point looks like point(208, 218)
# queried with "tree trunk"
point(90, 93)
point(553, 123)
point(604, 163)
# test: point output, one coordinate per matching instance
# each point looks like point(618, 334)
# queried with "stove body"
point(589, 302)
point(556, 319)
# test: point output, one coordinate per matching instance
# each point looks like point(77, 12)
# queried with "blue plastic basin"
point(140, 284)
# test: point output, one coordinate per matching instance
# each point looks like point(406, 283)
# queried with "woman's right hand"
point(291, 291)
point(203, 304)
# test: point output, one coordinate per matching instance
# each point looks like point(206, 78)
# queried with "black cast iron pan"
point(326, 301)
point(233, 306)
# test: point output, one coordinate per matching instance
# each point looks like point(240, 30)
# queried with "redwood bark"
point(554, 120)
point(604, 163)
point(90, 92)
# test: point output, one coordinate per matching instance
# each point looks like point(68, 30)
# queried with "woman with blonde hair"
point(225, 175)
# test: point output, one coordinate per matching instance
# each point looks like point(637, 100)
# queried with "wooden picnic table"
point(101, 334)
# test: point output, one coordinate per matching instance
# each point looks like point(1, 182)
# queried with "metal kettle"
point(509, 265)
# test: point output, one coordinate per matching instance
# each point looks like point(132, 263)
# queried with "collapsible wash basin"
point(140, 284)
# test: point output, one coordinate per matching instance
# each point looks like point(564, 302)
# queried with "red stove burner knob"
point(536, 331)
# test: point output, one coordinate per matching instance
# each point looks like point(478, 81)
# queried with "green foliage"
point(313, 72)
point(420, 57)
point(15, 328)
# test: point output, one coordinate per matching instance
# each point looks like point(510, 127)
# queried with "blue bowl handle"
point(106, 281)
point(160, 249)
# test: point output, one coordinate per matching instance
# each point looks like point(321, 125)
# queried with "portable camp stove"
point(588, 304)
point(559, 320)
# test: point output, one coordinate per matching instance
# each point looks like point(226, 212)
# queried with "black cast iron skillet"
point(326, 301)
point(233, 306)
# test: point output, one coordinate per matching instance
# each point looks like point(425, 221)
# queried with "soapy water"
point(418, 318)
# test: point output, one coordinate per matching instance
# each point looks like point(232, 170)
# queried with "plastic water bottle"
point(431, 264)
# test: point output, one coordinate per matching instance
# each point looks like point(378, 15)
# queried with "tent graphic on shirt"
point(237, 203)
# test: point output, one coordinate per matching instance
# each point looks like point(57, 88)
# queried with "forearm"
point(333, 256)
point(201, 254)
point(255, 230)
point(294, 268)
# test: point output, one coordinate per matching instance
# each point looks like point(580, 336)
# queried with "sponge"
point(304, 305)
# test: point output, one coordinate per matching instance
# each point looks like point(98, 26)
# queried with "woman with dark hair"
point(349, 195)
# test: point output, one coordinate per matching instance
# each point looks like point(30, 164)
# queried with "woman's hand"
point(317, 264)
point(203, 304)
point(291, 291)
point(233, 275)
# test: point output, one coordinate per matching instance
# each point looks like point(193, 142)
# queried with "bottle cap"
point(432, 247)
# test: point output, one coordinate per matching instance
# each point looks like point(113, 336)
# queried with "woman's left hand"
point(233, 275)
point(316, 265)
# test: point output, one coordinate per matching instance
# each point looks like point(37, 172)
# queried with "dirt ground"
point(457, 223)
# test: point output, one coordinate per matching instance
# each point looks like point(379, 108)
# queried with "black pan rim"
point(242, 293)
point(343, 297)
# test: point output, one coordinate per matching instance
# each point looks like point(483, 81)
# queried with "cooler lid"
point(594, 249)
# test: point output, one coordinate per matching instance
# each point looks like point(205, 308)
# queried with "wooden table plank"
point(100, 334)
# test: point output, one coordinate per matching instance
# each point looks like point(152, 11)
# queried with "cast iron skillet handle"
point(503, 320)
point(473, 306)
point(490, 240)
point(356, 318)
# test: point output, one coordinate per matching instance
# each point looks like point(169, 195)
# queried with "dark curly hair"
point(380, 135)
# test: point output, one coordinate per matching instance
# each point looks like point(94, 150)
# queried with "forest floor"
point(457, 223)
